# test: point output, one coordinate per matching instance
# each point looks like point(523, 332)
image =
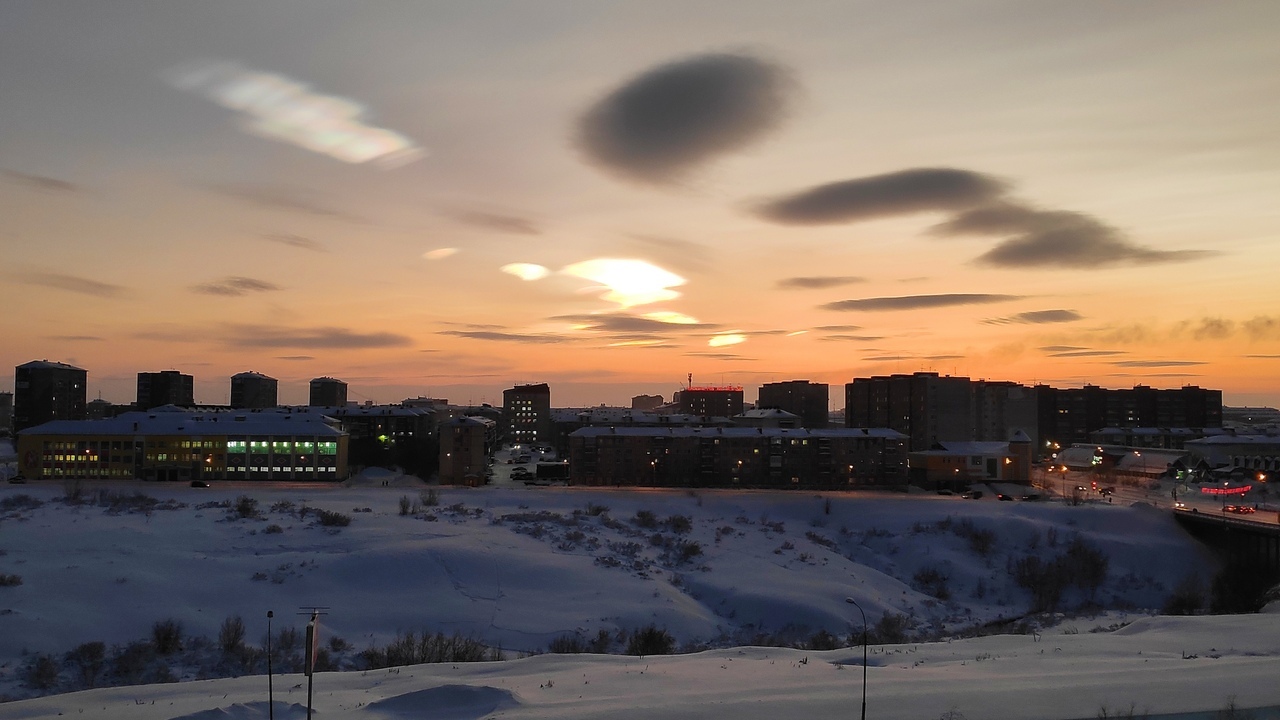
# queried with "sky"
point(446, 199)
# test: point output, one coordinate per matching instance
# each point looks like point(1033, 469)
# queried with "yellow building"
point(172, 444)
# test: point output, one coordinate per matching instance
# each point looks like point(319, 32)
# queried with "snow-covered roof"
point(767, 414)
point(251, 374)
point(738, 432)
point(1236, 440)
point(973, 447)
point(48, 365)
point(189, 423)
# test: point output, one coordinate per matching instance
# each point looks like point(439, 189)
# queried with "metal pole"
point(852, 602)
point(271, 701)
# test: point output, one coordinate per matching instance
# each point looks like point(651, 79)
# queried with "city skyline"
point(448, 200)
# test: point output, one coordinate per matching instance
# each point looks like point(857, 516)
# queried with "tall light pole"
point(271, 702)
point(854, 603)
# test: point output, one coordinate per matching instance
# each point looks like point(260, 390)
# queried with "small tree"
point(231, 635)
point(88, 659)
point(166, 635)
point(651, 640)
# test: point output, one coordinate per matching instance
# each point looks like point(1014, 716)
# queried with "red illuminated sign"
point(1224, 491)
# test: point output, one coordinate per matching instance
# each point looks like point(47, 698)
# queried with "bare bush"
point(166, 636)
point(231, 635)
point(650, 640)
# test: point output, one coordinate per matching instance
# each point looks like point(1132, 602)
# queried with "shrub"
point(931, 581)
point(166, 635)
point(430, 497)
point(88, 659)
point(282, 506)
point(889, 630)
point(19, 502)
point(650, 640)
point(41, 672)
point(10, 580)
point(330, 518)
point(1187, 598)
point(129, 663)
point(272, 530)
point(645, 519)
point(687, 550)
point(822, 640)
point(231, 635)
point(679, 523)
point(567, 645)
point(245, 507)
point(405, 505)
point(596, 510)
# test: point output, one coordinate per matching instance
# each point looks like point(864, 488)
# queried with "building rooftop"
point(179, 422)
point(48, 365)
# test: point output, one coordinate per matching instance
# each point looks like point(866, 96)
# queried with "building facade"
point(526, 413)
point(167, 387)
point(1068, 415)
point(710, 401)
point(182, 446)
point(834, 458)
point(44, 391)
point(252, 390)
point(810, 401)
point(930, 409)
point(463, 451)
point(328, 392)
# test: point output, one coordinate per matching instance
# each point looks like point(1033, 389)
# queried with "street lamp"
point(854, 603)
point(271, 703)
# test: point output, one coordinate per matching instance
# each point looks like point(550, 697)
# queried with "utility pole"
point(312, 645)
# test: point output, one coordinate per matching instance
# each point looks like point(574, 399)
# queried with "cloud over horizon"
point(819, 282)
point(296, 241)
point(41, 182)
point(501, 222)
point(916, 302)
point(71, 283)
point(663, 123)
point(266, 336)
point(1037, 317)
point(234, 286)
point(495, 336)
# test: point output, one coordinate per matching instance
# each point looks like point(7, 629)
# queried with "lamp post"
point(271, 702)
point(854, 603)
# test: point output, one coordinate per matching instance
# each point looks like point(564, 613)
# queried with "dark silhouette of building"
point(251, 390)
point(710, 400)
point(526, 411)
point(44, 391)
point(389, 436)
point(167, 387)
point(6, 411)
point(810, 401)
point(463, 451)
point(646, 402)
point(328, 392)
point(930, 408)
point(1069, 415)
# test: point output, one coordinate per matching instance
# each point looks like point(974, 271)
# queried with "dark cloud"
point(915, 302)
point(1087, 353)
point(263, 336)
point(663, 123)
point(838, 328)
point(505, 337)
point(853, 338)
point(1213, 329)
point(1060, 348)
point(1037, 317)
point(896, 193)
point(1263, 327)
point(1264, 357)
point(41, 182)
point(282, 199)
point(235, 286)
point(1157, 363)
point(295, 357)
point(474, 326)
point(819, 282)
point(1054, 238)
point(497, 221)
point(77, 338)
point(72, 283)
point(620, 323)
point(719, 356)
point(295, 241)
point(941, 357)
point(888, 358)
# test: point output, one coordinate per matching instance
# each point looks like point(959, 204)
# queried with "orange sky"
point(748, 192)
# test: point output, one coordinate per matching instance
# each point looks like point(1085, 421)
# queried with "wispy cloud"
point(273, 198)
point(853, 338)
point(1263, 327)
point(663, 123)
point(1054, 238)
point(622, 323)
point(295, 357)
point(1060, 348)
point(71, 283)
point(1037, 317)
point(77, 338)
point(529, 339)
point(1087, 353)
point(897, 193)
point(296, 241)
point(266, 336)
point(838, 328)
point(41, 182)
point(501, 222)
point(1157, 363)
point(234, 286)
point(916, 302)
point(819, 282)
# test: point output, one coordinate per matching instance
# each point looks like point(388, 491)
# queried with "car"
point(200, 483)
point(1240, 509)
point(945, 492)
point(1004, 498)
point(1107, 490)
point(972, 495)
point(1032, 497)
point(18, 479)
point(1179, 505)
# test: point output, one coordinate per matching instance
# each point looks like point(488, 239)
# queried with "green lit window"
point(236, 446)
point(327, 448)
point(282, 447)
point(260, 445)
point(306, 447)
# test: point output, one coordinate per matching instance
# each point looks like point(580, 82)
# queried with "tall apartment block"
point(1068, 415)
point(328, 392)
point(251, 390)
point(710, 400)
point(167, 387)
point(809, 401)
point(526, 410)
point(45, 391)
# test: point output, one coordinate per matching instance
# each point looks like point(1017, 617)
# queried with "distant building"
point(646, 402)
point(810, 401)
point(180, 445)
point(389, 435)
point(99, 409)
point(328, 392)
point(738, 457)
point(6, 411)
point(767, 418)
point(1068, 415)
point(167, 387)
point(251, 390)
point(463, 451)
point(956, 465)
point(526, 411)
point(44, 391)
point(711, 400)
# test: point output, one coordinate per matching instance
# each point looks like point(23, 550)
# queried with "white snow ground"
point(519, 567)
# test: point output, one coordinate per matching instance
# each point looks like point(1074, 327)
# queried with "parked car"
point(1240, 509)
point(972, 495)
point(1005, 498)
point(200, 483)
point(18, 479)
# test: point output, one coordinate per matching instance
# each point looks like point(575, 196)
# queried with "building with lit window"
point(526, 411)
point(810, 401)
point(178, 445)
point(710, 400)
point(832, 458)
point(167, 387)
point(44, 391)
point(252, 390)
point(463, 451)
